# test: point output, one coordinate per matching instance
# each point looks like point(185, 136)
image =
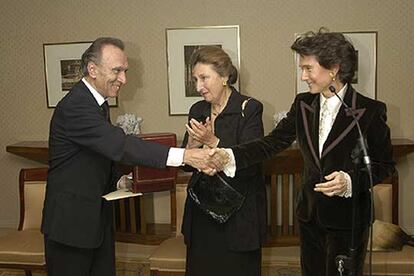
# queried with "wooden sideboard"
point(38, 151)
point(282, 172)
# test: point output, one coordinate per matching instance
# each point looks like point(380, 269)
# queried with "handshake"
point(209, 161)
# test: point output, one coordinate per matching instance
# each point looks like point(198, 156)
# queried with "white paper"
point(119, 194)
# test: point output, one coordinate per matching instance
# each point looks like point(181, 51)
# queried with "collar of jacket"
point(234, 104)
point(343, 124)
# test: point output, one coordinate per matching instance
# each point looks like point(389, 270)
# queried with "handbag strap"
point(243, 106)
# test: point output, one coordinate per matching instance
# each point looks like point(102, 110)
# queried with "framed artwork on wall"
point(62, 63)
point(365, 79)
point(181, 43)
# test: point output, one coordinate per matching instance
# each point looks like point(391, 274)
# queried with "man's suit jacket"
point(245, 230)
point(82, 148)
point(302, 124)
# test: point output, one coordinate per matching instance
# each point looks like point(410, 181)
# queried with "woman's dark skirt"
point(208, 253)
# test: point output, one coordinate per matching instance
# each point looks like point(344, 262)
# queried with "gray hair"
point(93, 53)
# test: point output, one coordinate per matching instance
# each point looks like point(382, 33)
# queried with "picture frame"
point(365, 79)
point(62, 69)
point(181, 42)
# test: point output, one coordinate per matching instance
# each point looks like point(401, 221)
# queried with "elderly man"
point(83, 145)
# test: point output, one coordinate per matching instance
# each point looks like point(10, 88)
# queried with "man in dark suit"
point(83, 146)
point(327, 136)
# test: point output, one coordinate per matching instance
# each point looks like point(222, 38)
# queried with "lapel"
point(234, 103)
point(343, 124)
point(310, 118)
point(344, 121)
point(233, 106)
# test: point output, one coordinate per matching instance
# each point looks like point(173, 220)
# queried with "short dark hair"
point(94, 52)
point(217, 57)
point(329, 49)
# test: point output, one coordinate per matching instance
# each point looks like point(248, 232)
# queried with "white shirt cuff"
point(230, 168)
point(175, 157)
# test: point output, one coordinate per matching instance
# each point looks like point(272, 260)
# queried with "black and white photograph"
point(62, 69)
point(181, 43)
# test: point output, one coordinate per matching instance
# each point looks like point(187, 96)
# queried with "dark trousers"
point(64, 260)
point(320, 246)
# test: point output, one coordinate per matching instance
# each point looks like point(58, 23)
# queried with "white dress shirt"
point(327, 119)
point(327, 114)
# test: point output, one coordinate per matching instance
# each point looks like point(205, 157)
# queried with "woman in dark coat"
point(224, 118)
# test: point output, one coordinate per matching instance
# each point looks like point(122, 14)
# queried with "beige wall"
point(266, 28)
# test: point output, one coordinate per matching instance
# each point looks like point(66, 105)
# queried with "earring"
point(224, 83)
point(332, 76)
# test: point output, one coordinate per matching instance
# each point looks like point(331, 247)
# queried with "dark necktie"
point(105, 109)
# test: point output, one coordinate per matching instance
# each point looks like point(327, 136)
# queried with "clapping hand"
point(201, 134)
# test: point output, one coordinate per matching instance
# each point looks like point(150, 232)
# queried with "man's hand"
point(209, 161)
point(336, 184)
point(125, 182)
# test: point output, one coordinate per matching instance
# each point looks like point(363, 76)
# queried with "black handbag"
point(215, 197)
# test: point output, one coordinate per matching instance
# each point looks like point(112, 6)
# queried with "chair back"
point(386, 199)
point(283, 179)
point(32, 186)
point(180, 197)
point(383, 202)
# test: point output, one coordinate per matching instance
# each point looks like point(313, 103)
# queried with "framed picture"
point(62, 69)
point(181, 43)
point(365, 79)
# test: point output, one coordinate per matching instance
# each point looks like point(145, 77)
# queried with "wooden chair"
point(129, 214)
point(168, 259)
point(137, 239)
point(283, 180)
point(24, 248)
